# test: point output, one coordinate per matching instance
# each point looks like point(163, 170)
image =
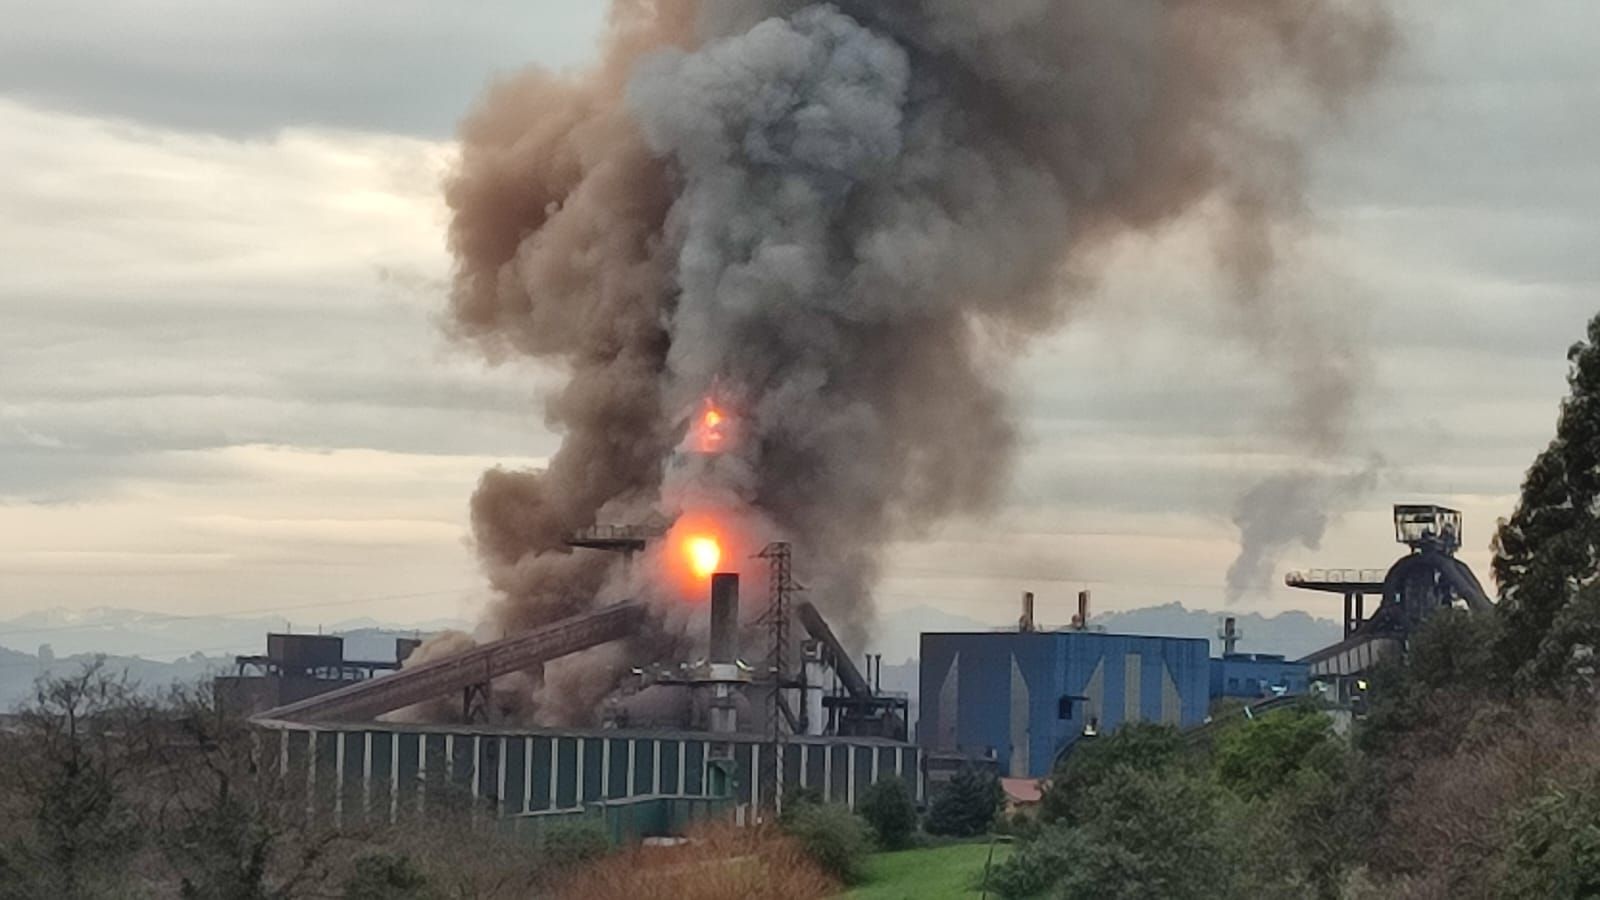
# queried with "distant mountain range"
point(127, 632)
point(157, 650)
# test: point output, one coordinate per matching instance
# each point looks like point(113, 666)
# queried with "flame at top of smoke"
point(711, 431)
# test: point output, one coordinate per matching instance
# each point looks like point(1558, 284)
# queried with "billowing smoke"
point(1286, 509)
point(840, 220)
point(1293, 506)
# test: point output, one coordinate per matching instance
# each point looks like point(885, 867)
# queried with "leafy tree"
point(967, 805)
point(1255, 758)
point(224, 824)
point(1306, 837)
point(71, 776)
point(1554, 853)
point(1143, 746)
point(888, 808)
point(834, 837)
point(1429, 694)
point(1141, 834)
point(1568, 656)
point(1455, 649)
point(1551, 544)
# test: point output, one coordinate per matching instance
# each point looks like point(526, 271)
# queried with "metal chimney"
point(724, 618)
point(1026, 623)
point(1230, 635)
point(1081, 620)
point(723, 677)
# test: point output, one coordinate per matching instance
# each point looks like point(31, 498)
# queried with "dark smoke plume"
point(842, 219)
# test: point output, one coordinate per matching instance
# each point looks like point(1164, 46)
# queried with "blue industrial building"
point(1255, 675)
point(1022, 698)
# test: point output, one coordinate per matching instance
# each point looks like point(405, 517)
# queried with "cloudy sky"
point(223, 388)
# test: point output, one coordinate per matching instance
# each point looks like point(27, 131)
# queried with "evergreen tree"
point(888, 808)
point(1550, 546)
point(967, 805)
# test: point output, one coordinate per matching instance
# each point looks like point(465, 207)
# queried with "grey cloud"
point(1462, 233)
point(83, 396)
point(250, 67)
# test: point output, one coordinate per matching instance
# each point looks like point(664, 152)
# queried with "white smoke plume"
point(841, 220)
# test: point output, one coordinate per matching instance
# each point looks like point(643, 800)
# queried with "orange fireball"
point(701, 543)
point(709, 434)
point(704, 554)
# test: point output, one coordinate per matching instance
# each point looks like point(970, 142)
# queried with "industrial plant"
point(775, 702)
point(726, 733)
point(1020, 700)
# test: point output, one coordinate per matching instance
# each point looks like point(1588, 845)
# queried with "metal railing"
point(617, 533)
point(1335, 576)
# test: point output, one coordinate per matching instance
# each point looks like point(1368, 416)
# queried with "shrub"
point(836, 838)
point(1022, 824)
point(1141, 834)
point(717, 863)
point(1038, 864)
point(1255, 757)
point(967, 805)
point(386, 876)
point(1555, 848)
point(888, 808)
point(570, 843)
point(796, 798)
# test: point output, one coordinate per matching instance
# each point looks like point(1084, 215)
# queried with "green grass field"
point(934, 873)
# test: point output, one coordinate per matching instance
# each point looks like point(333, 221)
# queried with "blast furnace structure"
point(728, 758)
point(1427, 579)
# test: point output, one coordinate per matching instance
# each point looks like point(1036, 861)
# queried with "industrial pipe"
point(724, 618)
point(818, 628)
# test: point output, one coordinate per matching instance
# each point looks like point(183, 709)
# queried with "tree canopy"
point(967, 805)
point(1141, 746)
point(1550, 546)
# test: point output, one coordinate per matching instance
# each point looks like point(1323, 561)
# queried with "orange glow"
point(703, 541)
point(704, 554)
point(710, 431)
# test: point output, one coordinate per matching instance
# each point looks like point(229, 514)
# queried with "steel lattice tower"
point(780, 587)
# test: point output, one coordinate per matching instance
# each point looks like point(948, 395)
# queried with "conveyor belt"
point(370, 699)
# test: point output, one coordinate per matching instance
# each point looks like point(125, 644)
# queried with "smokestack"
point(724, 618)
point(1081, 620)
point(1026, 623)
point(1230, 635)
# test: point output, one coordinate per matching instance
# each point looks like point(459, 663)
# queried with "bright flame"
point(704, 553)
point(710, 432)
